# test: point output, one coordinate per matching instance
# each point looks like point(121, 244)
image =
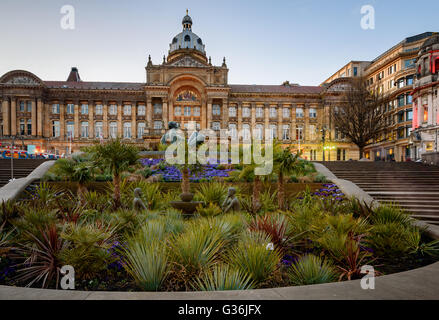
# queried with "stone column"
point(40, 115)
point(149, 113)
point(225, 114)
point(280, 116)
point(420, 112)
point(239, 117)
point(165, 112)
point(34, 118)
point(76, 120)
point(119, 119)
point(209, 114)
point(91, 120)
point(170, 113)
point(13, 116)
point(105, 119)
point(47, 128)
point(133, 120)
point(62, 122)
point(253, 118)
point(266, 116)
point(6, 112)
point(430, 109)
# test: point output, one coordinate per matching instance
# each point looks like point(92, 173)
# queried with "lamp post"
point(12, 157)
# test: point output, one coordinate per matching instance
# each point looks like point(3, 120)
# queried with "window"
point(401, 116)
point(141, 110)
point(55, 109)
point(312, 132)
point(299, 133)
point(187, 111)
point(409, 80)
point(232, 130)
point(177, 111)
point(409, 115)
point(157, 125)
point(157, 108)
point(409, 63)
point(197, 111)
point(246, 132)
point(22, 125)
point(127, 110)
point(273, 131)
point(273, 112)
point(355, 73)
point(312, 113)
point(401, 100)
point(216, 110)
point(70, 108)
point(299, 113)
point(341, 154)
point(84, 108)
point(127, 130)
point(29, 106)
point(70, 126)
point(99, 132)
point(55, 128)
point(216, 126)
point(425, 114)
point(113, 130)
point(313, 155)
point(409, 99)
point(286, 112)
point(21, 106)
point(259, 112)
point(259, 131)
point(232, 111)
point(400, 83)
point(246, 112)
point(113, 109)
point(187, 38)
point(98, 109)
point(84, 129)
point(29, 127)
point(286, 132)
point(140, 130)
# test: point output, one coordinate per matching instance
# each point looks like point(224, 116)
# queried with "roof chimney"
point(74, 75)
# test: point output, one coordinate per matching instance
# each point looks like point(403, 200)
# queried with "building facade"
point(62, 116)
point(391, 74)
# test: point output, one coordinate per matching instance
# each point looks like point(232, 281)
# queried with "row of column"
point(10, 121)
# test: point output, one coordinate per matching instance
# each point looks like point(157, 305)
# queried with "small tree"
point(117, 156)
point(285, 162)
point(76, 169)
point(360, 113)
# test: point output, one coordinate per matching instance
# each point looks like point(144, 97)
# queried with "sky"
point(264, 42)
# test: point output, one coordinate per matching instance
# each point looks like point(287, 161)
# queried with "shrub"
point(391, 214)
point(341, 224)
point(210, 211)
point(33, 220)
point(275, 226)
point(268, 201)
point(146, 261)
point(320, 178)
point(196, 248)
point(311, 269)
point(212, 193)
point(223, 277)
point(255, 259)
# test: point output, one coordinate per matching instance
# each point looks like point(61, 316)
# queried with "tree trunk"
point(185, 188)
point(116, 195)
point(256, 193)
point(281, 191)
point(361, 150)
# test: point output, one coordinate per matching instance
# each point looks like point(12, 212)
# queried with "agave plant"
point(223, 277)
point(42, 263)
point(146, 261)
point(311, 269)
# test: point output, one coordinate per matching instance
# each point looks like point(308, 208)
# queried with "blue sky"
point(264, 42)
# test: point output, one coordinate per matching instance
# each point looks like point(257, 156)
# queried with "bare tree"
point(359, 115)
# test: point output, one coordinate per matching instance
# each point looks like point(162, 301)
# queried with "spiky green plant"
point(211, 210)
point(223, 277)
point(212, 193)
point(341, 224)
point(146, 261)
point(255, 259)
point(197, 247)
point(310, 269)
point(391, 214)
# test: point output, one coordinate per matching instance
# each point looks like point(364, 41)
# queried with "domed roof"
point(187, 39)
point(434, 39)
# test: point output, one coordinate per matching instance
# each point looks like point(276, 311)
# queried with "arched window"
point(140, 130)
point(187, 38)
point(127, 130)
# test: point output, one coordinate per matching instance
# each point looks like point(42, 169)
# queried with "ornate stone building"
point(62, 116)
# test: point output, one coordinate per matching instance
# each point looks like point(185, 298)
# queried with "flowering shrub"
point(171, 173)
point(330, 191)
